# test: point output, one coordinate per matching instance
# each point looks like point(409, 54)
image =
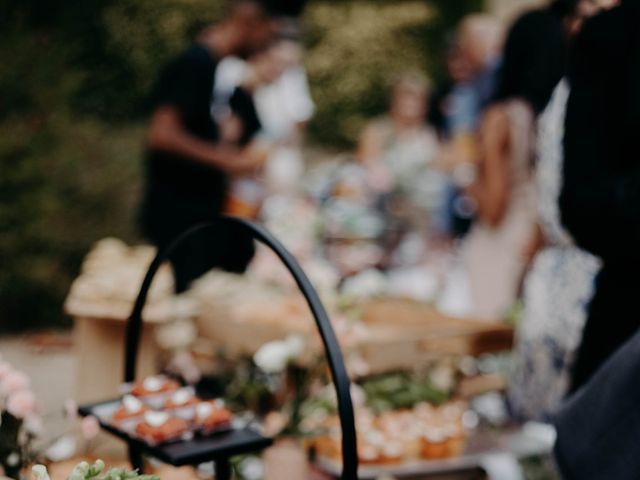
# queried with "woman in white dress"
point(557, 288)
point(494, 253)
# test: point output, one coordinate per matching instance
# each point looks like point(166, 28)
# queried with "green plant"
point(95, 471)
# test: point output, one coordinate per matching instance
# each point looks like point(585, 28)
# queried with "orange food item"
point(169, 429)
point(131, 407)
point(455, 446)
point(434, 447)
point(180, 399)
point(153, 386)
point(212, 415)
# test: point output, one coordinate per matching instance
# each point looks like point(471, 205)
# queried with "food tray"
point(521, 442)
point(189, 450)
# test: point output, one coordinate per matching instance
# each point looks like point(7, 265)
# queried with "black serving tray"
point(199, 449)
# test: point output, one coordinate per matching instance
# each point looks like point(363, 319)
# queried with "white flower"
point(63, 449)
point(272, 357)
point(252, 468)
point(40, 472)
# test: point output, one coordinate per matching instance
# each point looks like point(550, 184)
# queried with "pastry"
point(154, 385)
point(181, 398)
point(212, 415)
point(159, 427)
point(130, 407)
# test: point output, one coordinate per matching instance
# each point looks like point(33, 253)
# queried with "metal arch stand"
point(332, 348)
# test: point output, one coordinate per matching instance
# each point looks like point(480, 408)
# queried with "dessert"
point(212, 415)
point(131, 407)
point(154, 385)
point(422, 432)
point(159, 427)
point(183, 397)
point(434, 444)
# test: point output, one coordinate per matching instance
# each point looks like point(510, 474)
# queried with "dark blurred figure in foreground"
point(599, 427)
point(600, 200)
point(193, 147)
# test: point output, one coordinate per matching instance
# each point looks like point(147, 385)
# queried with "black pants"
point(165, 215)
point(614, 316)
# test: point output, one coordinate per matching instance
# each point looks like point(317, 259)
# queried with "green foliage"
point(401, 390)
point(136, 37)
point(95, 471)
point(70, 173)
point(356, 48)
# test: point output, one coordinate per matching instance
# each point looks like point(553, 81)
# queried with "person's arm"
point(491, 189)
point(167, 133)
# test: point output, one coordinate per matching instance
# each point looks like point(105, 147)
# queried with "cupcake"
point(369, 454)
point(392, 452)
point(434, 445)
point(160, 427)
point(129, 408)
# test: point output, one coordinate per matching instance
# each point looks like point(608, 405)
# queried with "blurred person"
point(600, 196)
point(397, 145)
point(480, 39)
point(285, 106)
point(599, 424)
point(399, 149)
point(193, 147)
point(559, 283)
point(473, 62)
point(503, 190)
point(277, 84)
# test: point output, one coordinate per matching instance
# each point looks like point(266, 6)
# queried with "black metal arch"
point(332, 348)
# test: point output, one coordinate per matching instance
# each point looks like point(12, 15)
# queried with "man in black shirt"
point(188, 160)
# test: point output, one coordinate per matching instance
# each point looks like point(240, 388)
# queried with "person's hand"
point(250, 159)
point(231, 129)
